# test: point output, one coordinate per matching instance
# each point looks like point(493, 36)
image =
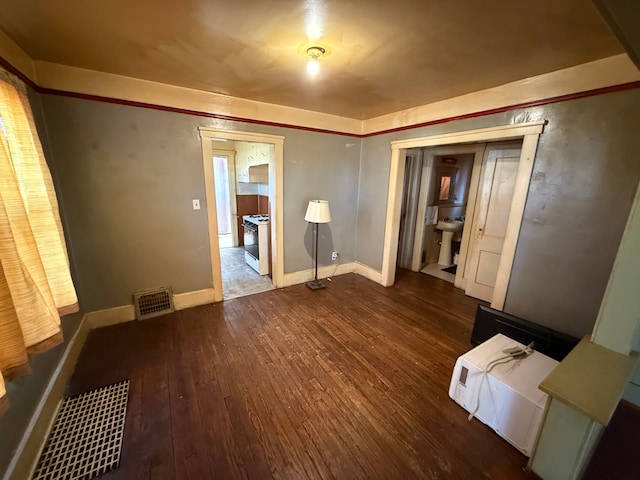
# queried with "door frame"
point(233, 203)
point(529, 133)
point(207, 135)
point(429, 160)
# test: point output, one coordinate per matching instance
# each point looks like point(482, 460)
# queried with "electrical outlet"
point(334, 255)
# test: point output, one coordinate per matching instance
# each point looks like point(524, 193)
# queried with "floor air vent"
point(154, 302)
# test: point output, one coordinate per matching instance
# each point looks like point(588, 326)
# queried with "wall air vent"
point(153, 302)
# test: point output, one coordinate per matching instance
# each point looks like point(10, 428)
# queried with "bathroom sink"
point(450, 226)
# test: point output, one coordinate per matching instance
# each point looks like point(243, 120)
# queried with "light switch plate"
point(196, 204)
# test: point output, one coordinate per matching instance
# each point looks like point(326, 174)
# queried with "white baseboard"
point(368, 272)
point(111, 316)
point(302, 276)
point(127, 313)
point(193, 299)
point(25, 459)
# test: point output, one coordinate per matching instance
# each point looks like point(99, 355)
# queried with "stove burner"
point(258, 218)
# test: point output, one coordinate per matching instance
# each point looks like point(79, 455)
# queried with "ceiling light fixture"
point(314, 53)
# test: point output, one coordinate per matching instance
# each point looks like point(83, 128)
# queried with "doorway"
point(224, 176)
point(528, 133)
point(456, 205)
point(443, 210)
point(213, 137)
point(236, 199)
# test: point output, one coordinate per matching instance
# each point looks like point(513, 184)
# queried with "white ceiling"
point(383, 55)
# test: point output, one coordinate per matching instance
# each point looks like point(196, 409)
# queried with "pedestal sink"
point(448, 229)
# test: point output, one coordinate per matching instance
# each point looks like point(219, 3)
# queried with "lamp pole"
point(316, 275)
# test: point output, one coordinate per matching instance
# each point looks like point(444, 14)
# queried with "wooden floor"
point(348, 382)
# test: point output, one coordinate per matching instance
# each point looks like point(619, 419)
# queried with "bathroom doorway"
point(527, 134)
point(438, 199)
point(445, 198)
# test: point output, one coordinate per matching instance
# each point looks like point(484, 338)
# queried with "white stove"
point(256, 242)
point(256, 219)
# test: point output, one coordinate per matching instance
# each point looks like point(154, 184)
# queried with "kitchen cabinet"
point(259, 173)
point(250, 154)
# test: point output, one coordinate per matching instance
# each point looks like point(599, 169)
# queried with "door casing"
point(276, 190)
point(527, 132)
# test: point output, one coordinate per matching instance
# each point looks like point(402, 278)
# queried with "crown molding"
point(593, 78)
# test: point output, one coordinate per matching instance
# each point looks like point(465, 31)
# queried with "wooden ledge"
point(591, 379)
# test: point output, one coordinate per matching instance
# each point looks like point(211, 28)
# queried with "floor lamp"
point(317, 212)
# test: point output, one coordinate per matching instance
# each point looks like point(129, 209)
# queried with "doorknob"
point(480, 232)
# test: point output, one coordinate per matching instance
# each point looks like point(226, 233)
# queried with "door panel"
point(497, 183)
point(409, 209)
point(419, 236)
point(225, 180)
point(487, 268)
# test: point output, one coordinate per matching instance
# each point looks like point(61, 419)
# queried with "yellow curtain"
point(35, 282)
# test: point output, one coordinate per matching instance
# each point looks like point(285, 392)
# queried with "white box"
point(507, 398)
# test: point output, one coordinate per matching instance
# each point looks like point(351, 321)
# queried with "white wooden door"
point(425, 190)
point(493, 203)
point(409, 208)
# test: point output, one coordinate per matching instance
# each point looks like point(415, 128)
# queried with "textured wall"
point(584, 180)
point(585, 174)
point(127, 176)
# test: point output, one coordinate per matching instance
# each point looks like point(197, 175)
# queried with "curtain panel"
point(35, 281)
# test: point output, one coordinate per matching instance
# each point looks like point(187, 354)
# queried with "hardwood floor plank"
point(191, 459)
point(347, 382)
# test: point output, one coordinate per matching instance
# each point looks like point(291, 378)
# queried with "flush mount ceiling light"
point(314, 54)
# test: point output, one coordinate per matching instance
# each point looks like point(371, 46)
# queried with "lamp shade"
point(318, 212)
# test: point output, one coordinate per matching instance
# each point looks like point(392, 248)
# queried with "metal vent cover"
point(86, 438)
point(153, 302)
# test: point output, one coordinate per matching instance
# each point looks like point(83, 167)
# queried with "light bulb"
point(313, 67)
point(314, 54)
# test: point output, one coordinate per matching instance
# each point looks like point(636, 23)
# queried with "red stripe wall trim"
point(536, 103)
point(198, 113)
point(11, 69)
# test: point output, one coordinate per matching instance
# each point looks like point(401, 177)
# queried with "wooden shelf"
point(591, 379)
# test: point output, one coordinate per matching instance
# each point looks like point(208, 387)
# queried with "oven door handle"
point(250, 226)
